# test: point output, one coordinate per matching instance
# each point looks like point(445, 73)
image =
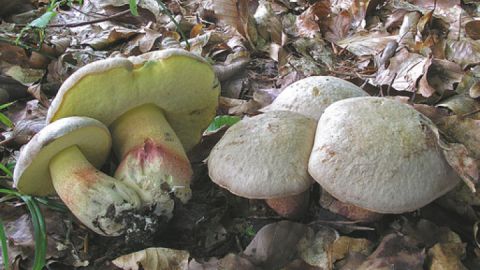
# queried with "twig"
point(78, 24)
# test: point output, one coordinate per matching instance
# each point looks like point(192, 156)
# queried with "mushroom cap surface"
point(312, 95)
point(32, 174)
point(182, 84)
point(379, 154)
point(265, 156)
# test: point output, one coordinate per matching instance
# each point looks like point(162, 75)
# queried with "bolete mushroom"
point(63, 158)
point(312, 95)
point(379, 154)
point(157, 106)
point(265, 157)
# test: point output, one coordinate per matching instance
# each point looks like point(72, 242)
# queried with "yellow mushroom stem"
point(96, 199)
point(153, 161)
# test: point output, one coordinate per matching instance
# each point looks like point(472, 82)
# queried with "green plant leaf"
point(133, 7)
point(39, 230)
point(222, 120)
point(4, 247)
point(6, 105)
point(5, 120)
point(44, 20)
point(6, 170)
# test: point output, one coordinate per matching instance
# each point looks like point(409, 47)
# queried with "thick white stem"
point(153, 161)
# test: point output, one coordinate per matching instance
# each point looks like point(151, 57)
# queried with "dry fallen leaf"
point(395, 252)
point(314, 246)
point(154, 259)
point(447, 256)
point(275, 244)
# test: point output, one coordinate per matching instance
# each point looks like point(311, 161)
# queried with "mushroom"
point(63, 158)
point(265, 157)
point(312, 95)
point(156, 106)
point(379, 154)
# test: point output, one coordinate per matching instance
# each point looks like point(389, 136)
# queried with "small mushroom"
point(312, 95)
point(265, 157)
point(379, 154)
point(63, 158)
point(156, 106)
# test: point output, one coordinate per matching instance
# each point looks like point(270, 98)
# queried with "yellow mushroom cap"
point(182, 84)
point(32, 174)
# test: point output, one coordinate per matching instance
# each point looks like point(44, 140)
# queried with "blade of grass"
point(133, 7)
point(39, 230)
point(5, 120)
point(6, 170)
point(3, 241)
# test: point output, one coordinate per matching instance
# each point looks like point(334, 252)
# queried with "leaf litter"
point(424, 52)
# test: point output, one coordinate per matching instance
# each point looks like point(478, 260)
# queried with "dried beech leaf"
point(472, 29)
point(153, 259)
point(345, 245)
point(395, 252)
point(366, 43)
point(404, 70)
point(230, 261)
point(275, 244)
point(447, 256)
point(439, 76)
point(463, 130)
point(462, 105)
point(463, 52)
point(314, 247)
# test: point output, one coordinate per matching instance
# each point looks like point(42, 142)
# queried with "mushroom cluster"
point(372, 153)
point(156, 107)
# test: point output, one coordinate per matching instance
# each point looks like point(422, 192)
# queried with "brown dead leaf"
point(366, 43)
point(447, 256)
point(337, 26)
point(314, 246)
point(404, 71)
point(463, 130)
point(439, 77)
point(308, 22)
point(462, 201)
point(344, 245)
point(462, 105)
point(463, 52)
point(153, 259)
point(275, 244)
point(230, 261)
point(105, 38)
point(472, 28)
point(395, 252)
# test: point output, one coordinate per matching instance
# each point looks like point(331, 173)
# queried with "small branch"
point(78, 24)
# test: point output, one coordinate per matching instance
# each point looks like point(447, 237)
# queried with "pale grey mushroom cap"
point(32, 174)
point(379, 154)
point(265, 156)
point(312, 95)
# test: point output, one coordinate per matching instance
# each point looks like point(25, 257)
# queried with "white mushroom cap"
point(32, 174)
point(265, 156)
point(379, 154)
point(312, 95)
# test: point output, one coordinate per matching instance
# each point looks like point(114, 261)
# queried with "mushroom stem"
point(153, 161)
point(293, 207)
point(96, 199)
